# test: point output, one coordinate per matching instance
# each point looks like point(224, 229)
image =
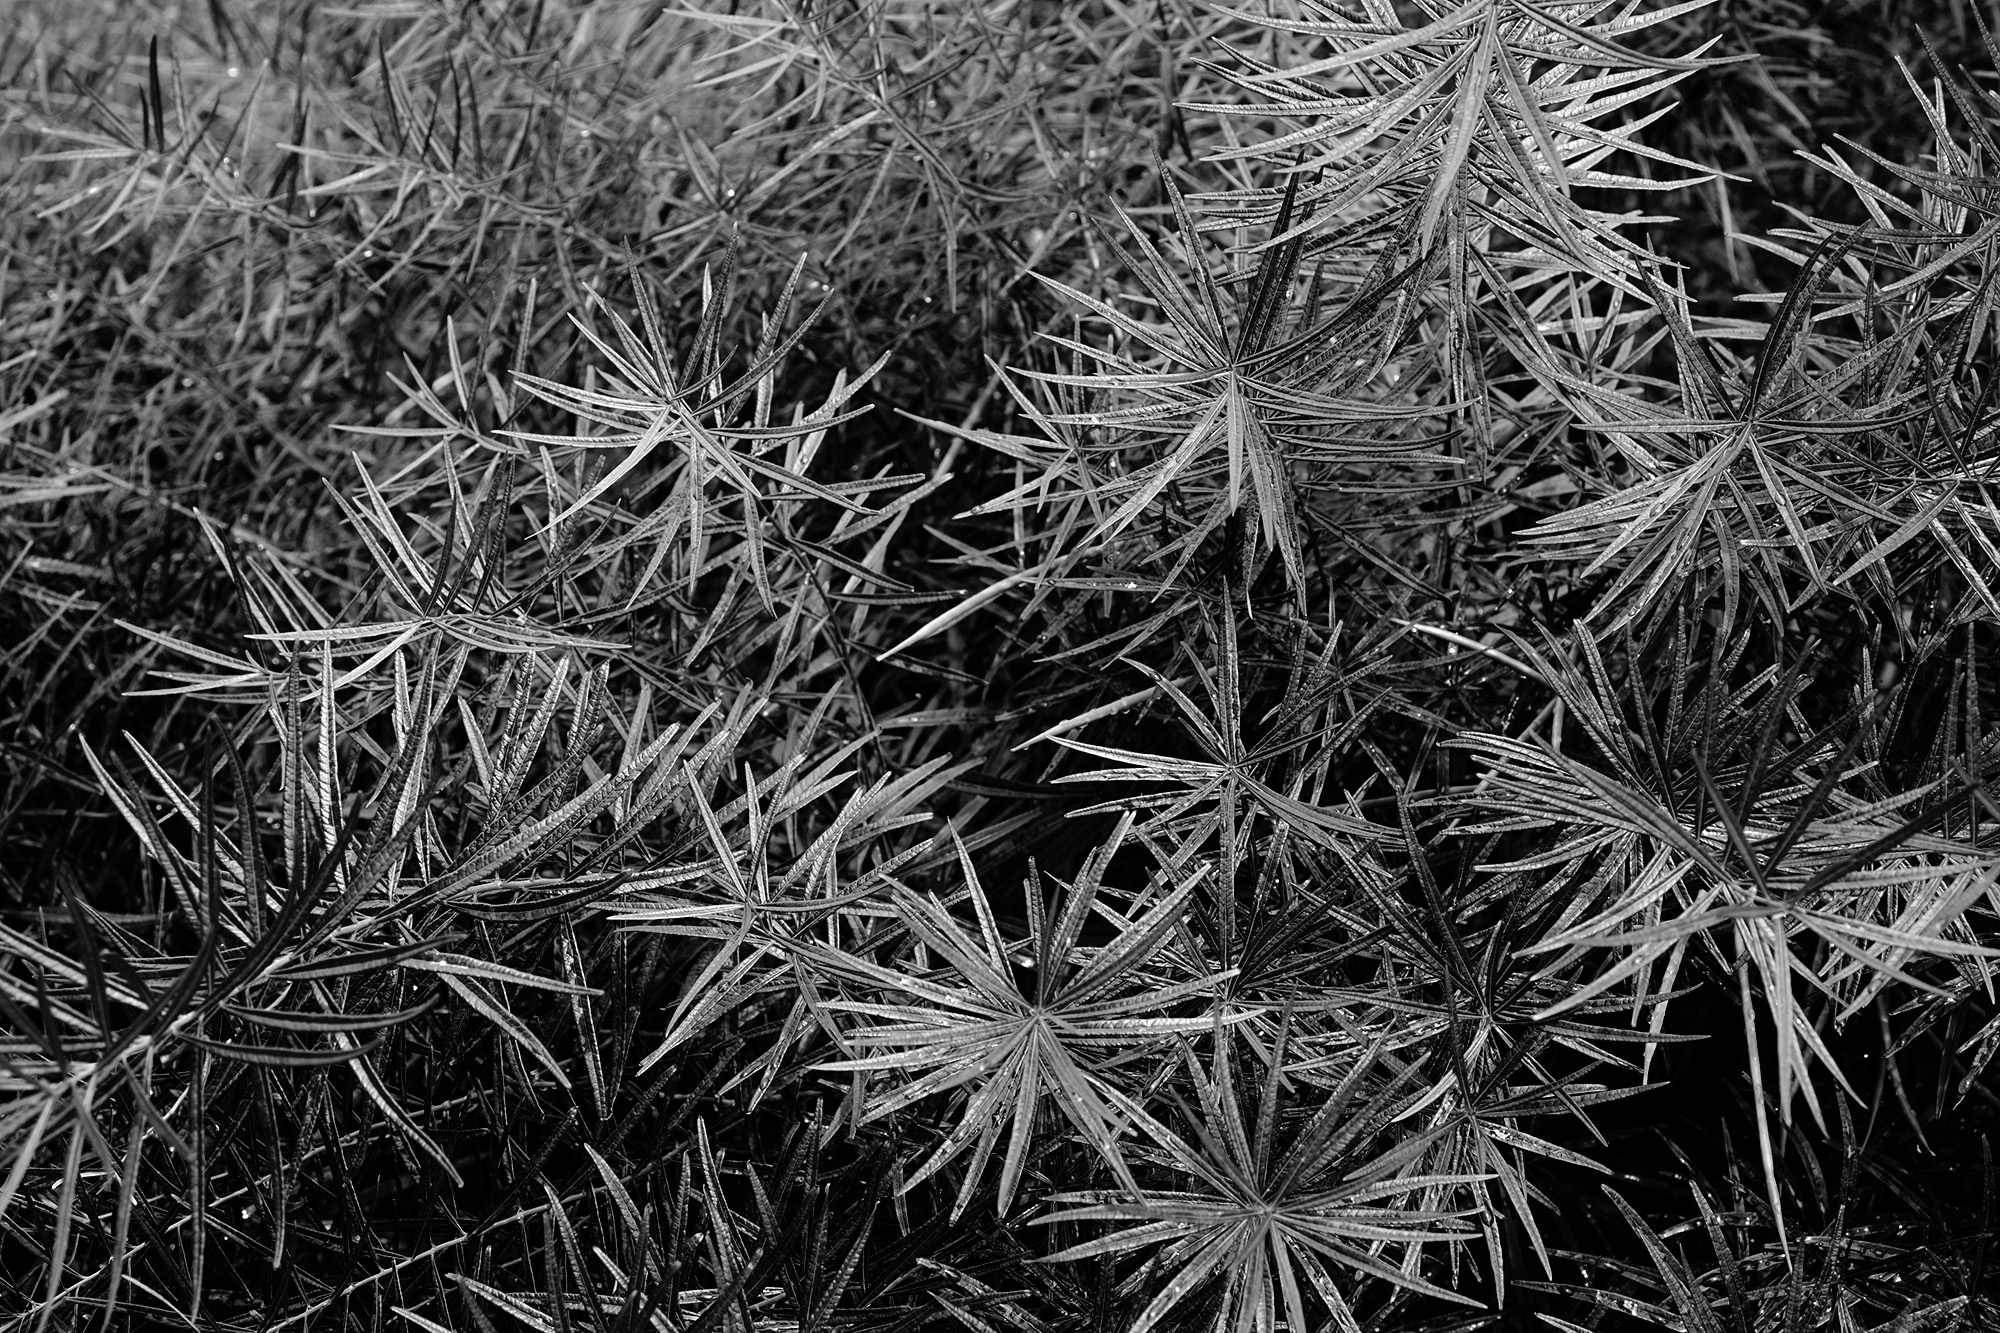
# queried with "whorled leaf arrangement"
point(1018, 1024)
point(1261, 1216)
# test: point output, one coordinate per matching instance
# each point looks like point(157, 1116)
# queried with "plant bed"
point(1013, 665)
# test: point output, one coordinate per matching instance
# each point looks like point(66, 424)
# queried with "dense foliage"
point(999, 664)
